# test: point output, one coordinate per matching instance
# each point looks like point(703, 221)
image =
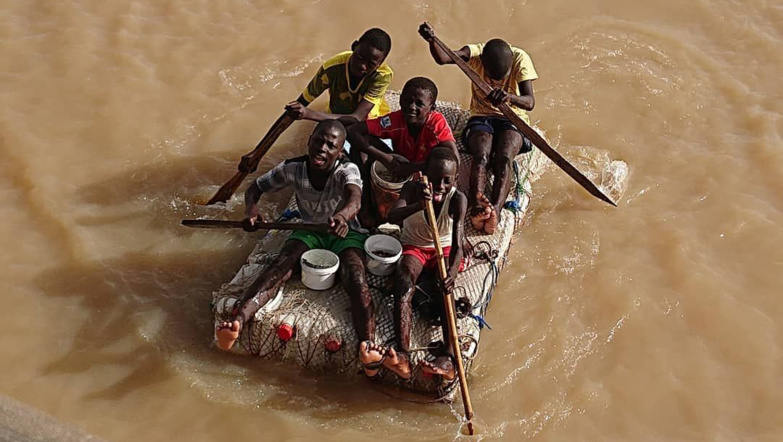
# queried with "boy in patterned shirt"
point(327, 190)
point(356, 80)
point(488, 134)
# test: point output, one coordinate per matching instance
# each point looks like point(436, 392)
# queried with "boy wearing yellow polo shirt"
point(357, 81)
point(488, 134)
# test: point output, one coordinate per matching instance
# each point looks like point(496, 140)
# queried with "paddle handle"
point(250, 160)
point(229, 224)
point(448, 302)
point(523, 127)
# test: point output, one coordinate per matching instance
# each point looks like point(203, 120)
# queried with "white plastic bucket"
point(319, 278)
point(385, 193)
point(382, 265)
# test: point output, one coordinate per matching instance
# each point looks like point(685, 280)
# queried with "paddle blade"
point(528, 131)
point(227, 191)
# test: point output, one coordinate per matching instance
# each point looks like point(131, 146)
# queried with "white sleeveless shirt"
point(416, 230)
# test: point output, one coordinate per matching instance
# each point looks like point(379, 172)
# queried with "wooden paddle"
point(451, 317)
point(249, 161)
point(523, 127)
point(223, 224)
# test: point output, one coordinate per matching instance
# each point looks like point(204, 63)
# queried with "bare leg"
point(408, 271)
point(260, 292)
point(480, 146)
point(352, 273)
point(479, 208)
point(507, 144)
point(442, 365)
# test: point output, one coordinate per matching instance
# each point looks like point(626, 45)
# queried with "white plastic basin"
point(319, 269)
point(386, 245)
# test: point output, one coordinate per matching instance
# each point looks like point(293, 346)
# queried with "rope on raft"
point(515, 205)
point(489, 255)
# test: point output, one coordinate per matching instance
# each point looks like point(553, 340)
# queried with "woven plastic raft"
point(324, 337)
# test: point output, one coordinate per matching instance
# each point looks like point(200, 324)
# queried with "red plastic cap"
point(285, 332)
point(333, 345)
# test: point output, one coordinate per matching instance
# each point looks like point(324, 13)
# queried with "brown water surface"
point(658, 320)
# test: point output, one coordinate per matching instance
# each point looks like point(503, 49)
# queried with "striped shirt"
point(315, 206)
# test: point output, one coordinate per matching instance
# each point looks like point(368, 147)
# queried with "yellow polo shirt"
point(521, 70)
point(333, 76)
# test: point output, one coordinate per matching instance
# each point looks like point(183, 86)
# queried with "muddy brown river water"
point(658, 320)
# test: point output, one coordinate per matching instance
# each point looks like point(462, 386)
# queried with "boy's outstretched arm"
point(439, 55)
point(359, 137)
point(352, 201)
point(272, 181)
point(252, 195)
point(298, 110)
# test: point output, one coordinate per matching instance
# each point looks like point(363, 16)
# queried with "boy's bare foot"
point(398, 363)
point(371, 356)
point(492, 221)
point(481, 212)
point(227, 333)
point(441, 366)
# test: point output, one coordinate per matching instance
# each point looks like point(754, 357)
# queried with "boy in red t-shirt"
point(414, 131)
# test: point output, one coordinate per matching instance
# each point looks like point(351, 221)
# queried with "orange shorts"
point(429, 257)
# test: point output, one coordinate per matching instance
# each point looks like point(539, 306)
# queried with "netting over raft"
point(318, 316)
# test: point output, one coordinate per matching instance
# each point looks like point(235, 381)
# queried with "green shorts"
point(333, 243)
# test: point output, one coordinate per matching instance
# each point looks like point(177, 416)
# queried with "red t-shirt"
point(393, 126)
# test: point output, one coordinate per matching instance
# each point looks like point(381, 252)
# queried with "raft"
point(323, 336)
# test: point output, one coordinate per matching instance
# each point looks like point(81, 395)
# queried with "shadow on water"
point(148, 313)
point(119, 292)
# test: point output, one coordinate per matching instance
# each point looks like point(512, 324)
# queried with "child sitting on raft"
point(418, 254)
point(357, 81)
point(489, 134)
point(328, 190)
point(414, 131)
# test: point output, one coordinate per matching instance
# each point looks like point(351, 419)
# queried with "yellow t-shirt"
point(333, 76)
point(521, 70)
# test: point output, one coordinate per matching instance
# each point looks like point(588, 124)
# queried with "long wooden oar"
point(223, 224)
point(523, 127)
point(451, 317)
point(250, 160)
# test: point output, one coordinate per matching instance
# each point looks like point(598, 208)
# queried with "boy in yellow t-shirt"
point(488, 134)
point(356, 80)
